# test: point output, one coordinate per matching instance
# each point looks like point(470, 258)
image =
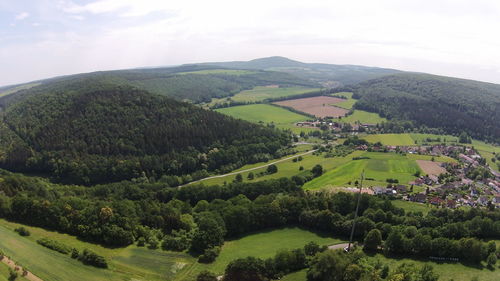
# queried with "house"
point(496, 200)
point(483, 200)
point(420, 197)
point(401, 188)
point(451, 204)
point(436, 201)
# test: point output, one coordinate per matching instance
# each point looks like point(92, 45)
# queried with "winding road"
point(251, 169)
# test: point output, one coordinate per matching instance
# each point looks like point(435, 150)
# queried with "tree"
point(328, 266)
point(491, 260)
point(250, 176)
point(210, 232)
point(206, 276)
point(238, 178)
point(271, 169)
point(373, 240)
point(312, 248)
point(394, 242)
point(317, 170)
point(246, 269)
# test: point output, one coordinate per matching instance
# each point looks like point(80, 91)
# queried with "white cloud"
point(22, 16)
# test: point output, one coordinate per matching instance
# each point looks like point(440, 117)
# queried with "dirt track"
point(19, 270)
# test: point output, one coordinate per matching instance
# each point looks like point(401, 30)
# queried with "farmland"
point(378, 167)
point(317, 106)
point(391, 139)
point(263, 245)
point(363, 117)
point(262, 93)
point(264, 113)
point(431, 167)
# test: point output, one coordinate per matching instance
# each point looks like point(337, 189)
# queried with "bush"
point(22, 231)
point(75, 254)
point(173, 243)
point(272, 169)
point(54, 245)
point(90, 258)
point(206, 276)
point(209, 255)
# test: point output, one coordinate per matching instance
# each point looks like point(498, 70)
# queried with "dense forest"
point(103, 133)
point(453, 105)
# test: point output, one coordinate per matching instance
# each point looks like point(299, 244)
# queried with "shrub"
point(206, 276)
point(209, 255)
point(75, 254)
point(90, 258)
point(54, 245)
point(22, 231)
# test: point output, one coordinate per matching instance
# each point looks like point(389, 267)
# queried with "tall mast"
point(357, 208)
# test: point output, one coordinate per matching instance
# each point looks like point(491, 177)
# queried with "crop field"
point(317, 106)
point(262, 245)
point(263, 93)
point(431, 167)
point(287, 168)
point(346, 103)
point(363, 117)
point(264, 113)
point(378, 168)
point(219, 71)
point(125, 263)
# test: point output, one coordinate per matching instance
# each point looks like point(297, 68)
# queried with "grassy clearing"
point(391, 139)
point(296, 276)
point(263, 93)
point(347, 104)
point(434, 139)
point(18, 88)
point(364, 117)
point(266, 114)
point(412, 206)
point(287, 168)
point(446, 271)
point(262, 245)
point(125, 263)
point(486, 151)
point(236, 72)
point(380, 166)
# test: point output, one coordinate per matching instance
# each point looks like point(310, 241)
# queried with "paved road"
point(251, 169)
point(338, 246)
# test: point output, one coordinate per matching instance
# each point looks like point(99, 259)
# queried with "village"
point(469, 182)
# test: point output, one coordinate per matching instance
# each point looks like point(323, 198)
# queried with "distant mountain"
point(91, 131)
point(451, 104)
point(327, 74)
point(196, 83)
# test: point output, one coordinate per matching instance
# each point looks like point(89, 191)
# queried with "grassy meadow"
point(124, 263)
point(391, 139)
point(262, 245)
point(363, 117)
point(412, 206)
point(348, 103)
point(262, 93)
point(379, 166)
point(287, 168)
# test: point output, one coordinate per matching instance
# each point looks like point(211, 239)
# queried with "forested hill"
point(196, 83)
point(327, 74)
point(454, 105)
point(104, 133)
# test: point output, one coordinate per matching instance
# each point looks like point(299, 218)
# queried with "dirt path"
point(338, 246)
point(251, 169)
point(30, 276)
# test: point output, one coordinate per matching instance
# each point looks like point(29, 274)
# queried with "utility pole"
point(356, 213)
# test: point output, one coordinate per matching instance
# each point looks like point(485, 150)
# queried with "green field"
point(391, 139)
point(296, 276)
point(412, 206)
point(347, 104)
point(265, 113)
point(363, 117)
point(262, 245)
point(219, 71)
point(380, 166)
point(263, 93)
point(125, 263)
point(287, 168)
point(486, 151)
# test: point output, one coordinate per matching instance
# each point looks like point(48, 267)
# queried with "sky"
point(47, 38)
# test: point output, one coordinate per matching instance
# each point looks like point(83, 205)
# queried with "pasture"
point(262, 245)
point(317, 106)
point(287, 168)
point(412, 206)
point(263, 93)
point(346, 103)
point(264, 113)
point(391, 139)
point(363, 117)
point(128, 263)
point(378, 168)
